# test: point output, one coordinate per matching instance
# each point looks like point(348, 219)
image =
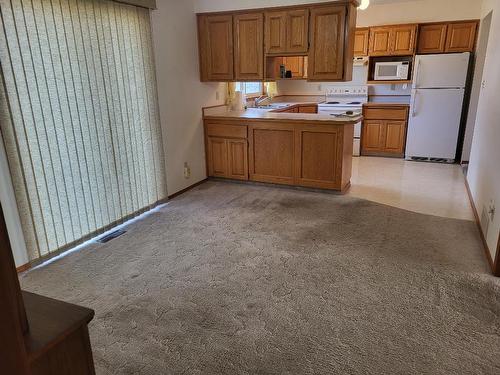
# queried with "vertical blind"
point(79, 117)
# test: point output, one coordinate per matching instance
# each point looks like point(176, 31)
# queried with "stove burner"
point(333, 103)
point(354, 103)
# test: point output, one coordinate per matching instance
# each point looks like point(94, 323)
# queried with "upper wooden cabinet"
point(215, 34)
point(297, 31)
point(380, 41)
point(246, 45)
point(275, 32)
point(404, 40)
point(394, 40)
point(461, 37)
point(361, 39)
point(287, 32)
point(432, 38)
point(249, 47)
point(328, 44)
point(447, 37)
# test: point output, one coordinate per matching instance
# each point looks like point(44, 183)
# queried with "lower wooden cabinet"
point(271, 153)
point(290, 153)
point(227, 158)
point(384, 130)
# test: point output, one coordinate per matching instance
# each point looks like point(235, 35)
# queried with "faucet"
point(258, 101)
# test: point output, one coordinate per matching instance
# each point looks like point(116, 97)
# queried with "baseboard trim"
point(494, 264)
point(23, 268)
point(180, 192)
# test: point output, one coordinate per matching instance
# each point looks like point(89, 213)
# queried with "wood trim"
point(495, 269)
point(23, 268)
point(185, 190)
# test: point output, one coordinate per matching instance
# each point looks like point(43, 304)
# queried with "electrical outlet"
point(319, 87)
point(217, 95)
point(187, 170)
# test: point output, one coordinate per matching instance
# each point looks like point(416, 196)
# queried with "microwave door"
point(386, 71)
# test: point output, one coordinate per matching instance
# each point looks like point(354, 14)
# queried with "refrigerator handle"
point(417, 73)
point(414, 104)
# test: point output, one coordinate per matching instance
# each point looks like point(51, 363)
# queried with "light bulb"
point(364, 4)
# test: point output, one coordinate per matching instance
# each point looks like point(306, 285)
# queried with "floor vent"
point(433, 160)
point(111, 236)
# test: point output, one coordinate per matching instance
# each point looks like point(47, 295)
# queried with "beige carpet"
point(246, 279)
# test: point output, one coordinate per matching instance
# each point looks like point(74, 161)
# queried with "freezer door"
point(441, 71)
point(434, 123)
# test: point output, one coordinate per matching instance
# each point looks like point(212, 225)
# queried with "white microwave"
point(392, 71)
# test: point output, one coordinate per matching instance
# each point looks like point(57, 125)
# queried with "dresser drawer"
point(387, 113)
point(226, 131)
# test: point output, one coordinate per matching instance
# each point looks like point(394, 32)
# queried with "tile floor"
point(428, 188)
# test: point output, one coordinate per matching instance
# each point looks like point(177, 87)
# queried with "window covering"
point(79, 117)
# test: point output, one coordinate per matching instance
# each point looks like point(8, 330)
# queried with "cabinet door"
point(271, 148)
point(432, 38)
point(297, 38)
point(249, 47)
point(461, 37)
point(275, 32)
point(380, 41)
point(403, 40)
point(295, 64)
point(216, 48)
point(326, 54)
point(237, 159)
point(395, 133)
point(361, 39)
point(372, 136)
point(217, 157)
point(318, 155)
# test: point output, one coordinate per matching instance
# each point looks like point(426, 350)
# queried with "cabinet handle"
point(414, 106)
point(417, 73)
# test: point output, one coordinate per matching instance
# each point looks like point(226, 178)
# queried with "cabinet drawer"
point(380, 113)
point(227, 131)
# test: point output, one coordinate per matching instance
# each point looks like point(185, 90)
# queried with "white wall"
point(180, 93)
point(379, 12)
point(11, 214)
point(484, 167)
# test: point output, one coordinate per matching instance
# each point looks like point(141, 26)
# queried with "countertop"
point(269, 115)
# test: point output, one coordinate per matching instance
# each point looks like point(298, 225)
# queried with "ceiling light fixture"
point(364, 4)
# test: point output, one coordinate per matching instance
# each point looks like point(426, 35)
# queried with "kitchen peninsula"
point(281, 146)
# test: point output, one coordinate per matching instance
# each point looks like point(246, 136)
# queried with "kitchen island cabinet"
point(300, 149)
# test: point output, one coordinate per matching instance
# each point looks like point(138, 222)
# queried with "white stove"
point(342, 100)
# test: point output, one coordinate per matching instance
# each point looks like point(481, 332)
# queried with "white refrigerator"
point(436, 106)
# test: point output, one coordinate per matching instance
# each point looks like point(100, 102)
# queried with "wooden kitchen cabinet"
point(461, 36)
point(447, 37)
point(394, 40)
point(249, 47)
point(327, 61)
point(271, 153)
point(361, 41)
point(432, 38)
point(319, 156)
point(297, 39)
point(384, 130)
point(275, 32)
point(227, 150)
point(215, 35)
point(287, 32)
point(380, 41)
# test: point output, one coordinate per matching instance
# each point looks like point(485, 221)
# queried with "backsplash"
point(359, 74)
